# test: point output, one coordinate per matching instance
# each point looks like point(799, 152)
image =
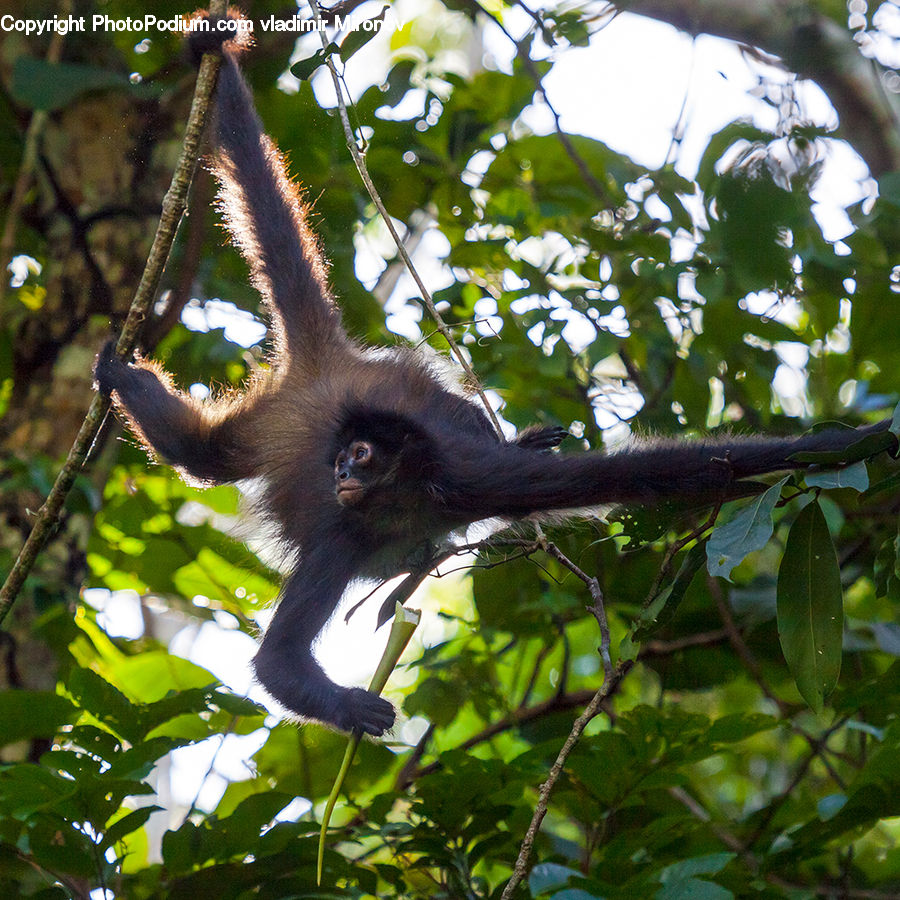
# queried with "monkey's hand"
point(108, 369)
point(302, 687)
point(365, 712)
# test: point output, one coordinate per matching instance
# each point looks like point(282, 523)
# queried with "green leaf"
point(749, 530)
point(852, 476)
point(738, 726)
point(59, 847)
point(126, 825)
point(889, 188)
point(361, 34)
point(435, 699)
point(150, 676)
point(26, 788)
point(304, 68)
point(696, 865)
point(106, 702)
point(679, 882)
point(867, 446)
point(693, 889)
point(891, 485)
point(828, 807)
point(30, 714)
point(810, 607)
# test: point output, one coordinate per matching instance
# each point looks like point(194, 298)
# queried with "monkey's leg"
point(267, 219)
point(284, 663)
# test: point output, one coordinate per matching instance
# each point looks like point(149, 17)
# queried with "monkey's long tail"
point(703, 471)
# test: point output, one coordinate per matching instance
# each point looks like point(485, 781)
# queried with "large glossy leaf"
point(810, 607)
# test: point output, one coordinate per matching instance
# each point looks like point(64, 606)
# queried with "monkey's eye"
point(361, 452)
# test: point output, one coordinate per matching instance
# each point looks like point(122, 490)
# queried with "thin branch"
point(543, 653)
point(546, 33)
point(674, 549)
point(522, 862)
point(596, 607)
point(817, 748)
point(653, 649)
point(726, 837)
point(562, 136)
point(361, 167)
point(811, 44)
point(753, 864)
point(191, 257)
point(518, 717)
point(408, 773)
point(172, 209)
point(740, 645)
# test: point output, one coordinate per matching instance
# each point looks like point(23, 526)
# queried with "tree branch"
point(172, 209)
point(522, 862)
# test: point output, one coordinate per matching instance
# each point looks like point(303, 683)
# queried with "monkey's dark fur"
point(366, 455)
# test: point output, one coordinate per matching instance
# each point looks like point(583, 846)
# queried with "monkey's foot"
point(542, 439)
point(108, 369)
point(365, 712)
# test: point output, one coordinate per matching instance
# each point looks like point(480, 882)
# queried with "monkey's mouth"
point(349, 491)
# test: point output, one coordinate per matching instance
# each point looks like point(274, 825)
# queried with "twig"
point(172, 209)
point(546, 33)
point(583, 169)
point(740, 646)
point(521, 866)
point(653, 649)
point(596, 608)
point(361, 167)
point(675, 548)
point(191, 257)
point(557, 703)
point(817, 749)
point(407, 774)
point(543, 653)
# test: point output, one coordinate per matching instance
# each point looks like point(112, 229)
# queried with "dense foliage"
point(753, 747)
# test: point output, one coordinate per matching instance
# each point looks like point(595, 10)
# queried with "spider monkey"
point(367, 456)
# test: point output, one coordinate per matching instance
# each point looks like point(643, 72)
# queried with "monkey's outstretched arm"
point(284, 663)
point(178, 429)
point(266, 216)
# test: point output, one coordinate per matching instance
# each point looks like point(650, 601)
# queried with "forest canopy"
point(632, 219)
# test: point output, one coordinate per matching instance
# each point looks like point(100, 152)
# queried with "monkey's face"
point(355, 467)
point(382, 463)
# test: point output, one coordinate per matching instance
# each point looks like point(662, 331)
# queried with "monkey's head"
point(379, 454)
